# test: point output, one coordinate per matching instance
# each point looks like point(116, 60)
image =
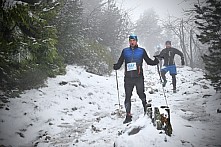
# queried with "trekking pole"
point(162, 85)
point(117, 90)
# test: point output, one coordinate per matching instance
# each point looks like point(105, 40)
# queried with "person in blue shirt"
point(167, 55)
point(133, 57)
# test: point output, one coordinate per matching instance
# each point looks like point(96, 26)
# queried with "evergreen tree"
point(209, 23)
point(70, 30)
point(28, 54)
point(113, 27)
point(148, 30)
point(107, 24)
point(74, 43)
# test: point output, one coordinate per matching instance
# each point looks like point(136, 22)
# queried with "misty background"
point(161, 7)
point(40, 37)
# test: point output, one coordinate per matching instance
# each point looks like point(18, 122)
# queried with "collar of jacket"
point(134, 47)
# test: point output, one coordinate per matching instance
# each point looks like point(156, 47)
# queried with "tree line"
point(198, 35)
point(38, 38)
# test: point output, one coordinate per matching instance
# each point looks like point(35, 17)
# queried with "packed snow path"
point(80, 109)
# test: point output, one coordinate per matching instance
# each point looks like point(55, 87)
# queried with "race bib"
point(131, 66)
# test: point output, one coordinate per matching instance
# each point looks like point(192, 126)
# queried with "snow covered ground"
point(81, 109)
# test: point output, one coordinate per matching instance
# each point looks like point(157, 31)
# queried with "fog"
point(163, 8)
point(58, 86)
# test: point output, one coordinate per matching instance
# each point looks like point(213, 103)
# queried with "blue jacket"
point(134, 56)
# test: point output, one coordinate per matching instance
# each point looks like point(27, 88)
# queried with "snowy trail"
point(79, 109)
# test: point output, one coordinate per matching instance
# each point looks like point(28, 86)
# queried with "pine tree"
point(113, 27)
point(13, 16)
point(70, 30)
point(27, 42)
point(108, 25)
point(148, 30)
point(209, 23)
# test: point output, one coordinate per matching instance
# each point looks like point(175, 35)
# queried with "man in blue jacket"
point(133, 57)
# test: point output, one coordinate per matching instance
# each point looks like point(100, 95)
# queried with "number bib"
point(131, 66)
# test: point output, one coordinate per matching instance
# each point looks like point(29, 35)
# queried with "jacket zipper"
point(132, 61)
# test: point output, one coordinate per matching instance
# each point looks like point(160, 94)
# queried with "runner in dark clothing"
point(169, 65)
point(133, 57)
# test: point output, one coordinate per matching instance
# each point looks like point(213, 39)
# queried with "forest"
point(39, 38)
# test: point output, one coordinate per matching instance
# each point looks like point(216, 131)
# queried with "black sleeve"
point(120, 61)
point(178, 52)
point(162, 53)
point(150, 61)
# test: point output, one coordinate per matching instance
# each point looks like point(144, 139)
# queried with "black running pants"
point(129, 84)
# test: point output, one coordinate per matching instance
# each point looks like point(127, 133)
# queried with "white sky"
point(161, 7)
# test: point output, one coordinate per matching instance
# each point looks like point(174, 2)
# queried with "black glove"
point(115, 67)
point(156, 56)
point(183, 62)
point(156, 59)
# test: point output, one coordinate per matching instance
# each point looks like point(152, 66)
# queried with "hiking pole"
point(162, 85)
point(168, 127)
point(117, 90)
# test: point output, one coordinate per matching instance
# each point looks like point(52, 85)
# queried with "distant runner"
point(167, 55)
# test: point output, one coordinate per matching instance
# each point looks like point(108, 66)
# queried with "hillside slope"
point(81, 109)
